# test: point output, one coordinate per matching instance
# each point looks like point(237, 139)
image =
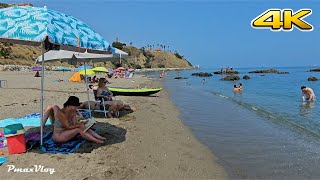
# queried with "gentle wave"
point(275, 118)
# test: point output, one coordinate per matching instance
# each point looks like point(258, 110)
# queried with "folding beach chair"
point(102, 104)
point(102, 101)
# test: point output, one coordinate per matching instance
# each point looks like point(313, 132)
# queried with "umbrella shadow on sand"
point(113, 135)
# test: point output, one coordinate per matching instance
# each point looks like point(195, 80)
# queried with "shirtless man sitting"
point(307, 94)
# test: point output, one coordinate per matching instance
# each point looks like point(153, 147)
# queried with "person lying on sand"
point(65, 122)
point(307, 94)
point(111, 107)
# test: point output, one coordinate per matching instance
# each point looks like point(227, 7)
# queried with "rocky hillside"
point(138, 58)
point(26, 55)
point(154, 59)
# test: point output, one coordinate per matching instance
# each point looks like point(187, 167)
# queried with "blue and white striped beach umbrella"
point(34, 26)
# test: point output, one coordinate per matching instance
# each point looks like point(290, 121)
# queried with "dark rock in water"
point(311, 78)
point(201, 74)
point(282, 72)
point(226, 72)
point(265, 71)
point(262, 75)
point(180, 77)
point(230, 78)
point(246, 77)
point(315, 70)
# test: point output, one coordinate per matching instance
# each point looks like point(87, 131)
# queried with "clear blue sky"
point(214, 33)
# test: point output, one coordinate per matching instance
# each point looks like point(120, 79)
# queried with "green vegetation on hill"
point(138, 58)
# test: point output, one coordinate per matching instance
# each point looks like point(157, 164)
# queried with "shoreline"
point(26, 68)
point(150, 143)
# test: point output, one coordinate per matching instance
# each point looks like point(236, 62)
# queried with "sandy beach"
point(150, 143)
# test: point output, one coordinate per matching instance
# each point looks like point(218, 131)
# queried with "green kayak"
point(133, 92)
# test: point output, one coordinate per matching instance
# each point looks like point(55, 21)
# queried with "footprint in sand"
point(12, 104)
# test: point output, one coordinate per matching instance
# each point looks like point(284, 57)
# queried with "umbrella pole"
point(86, 78)
point(41, 96)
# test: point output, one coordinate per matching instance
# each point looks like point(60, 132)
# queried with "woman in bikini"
point(65, 122)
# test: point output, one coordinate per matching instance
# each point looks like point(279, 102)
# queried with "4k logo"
point(277, 20)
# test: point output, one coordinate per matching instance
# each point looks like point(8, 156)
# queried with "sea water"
point(264, 132)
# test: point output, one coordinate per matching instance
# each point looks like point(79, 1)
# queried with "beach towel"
point(28, 120)
point(31, 120)
point(49, 146)
point(2, 160)
point(32, 140)
point(85, 114)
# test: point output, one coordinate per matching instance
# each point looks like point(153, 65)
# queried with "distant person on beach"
point(65, 121)
point(93, 87)
point(307, 94)
point(94, 79)
point(37, 74)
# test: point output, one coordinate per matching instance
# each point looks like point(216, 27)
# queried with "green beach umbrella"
point(87, 72)
point(100, 69)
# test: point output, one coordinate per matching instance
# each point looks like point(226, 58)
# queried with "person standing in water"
point(204, 81)
point(307, 94)
point(235, 89)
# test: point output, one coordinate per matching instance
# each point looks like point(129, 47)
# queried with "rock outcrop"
point(315, 70)
point(246, 77)
point(230, 78)
point(312, 78)
point(180, 77)
point(282, 72)
point(265, 71)
point(202, 74)
point(269, 71)
point(226, 72)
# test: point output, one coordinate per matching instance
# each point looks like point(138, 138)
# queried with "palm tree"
point(164, 48)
